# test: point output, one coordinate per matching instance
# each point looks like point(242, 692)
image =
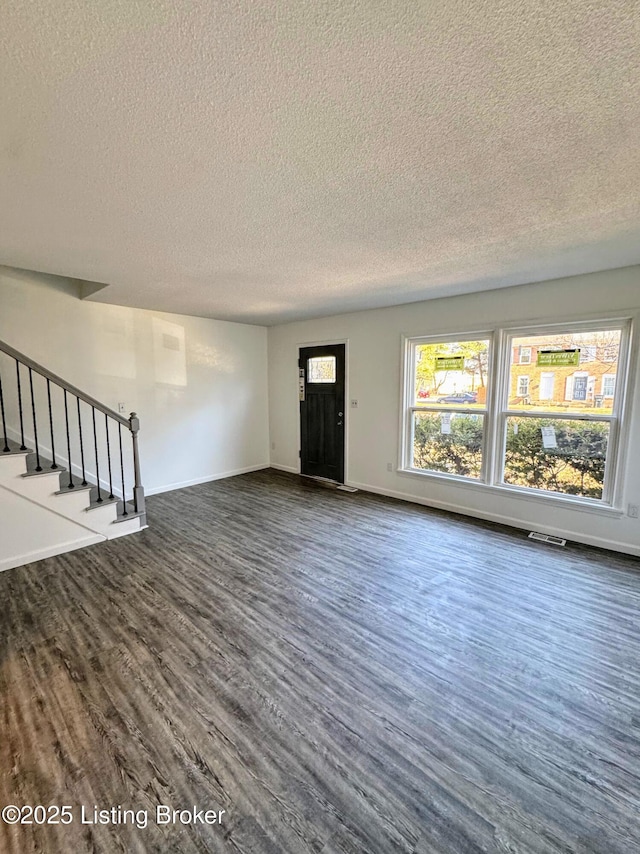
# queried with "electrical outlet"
point(389, 466)
point(354, 404)
point(122, 408)
point(632, 511)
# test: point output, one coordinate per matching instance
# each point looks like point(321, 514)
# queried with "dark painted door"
point(580, 388)
point(322, 410)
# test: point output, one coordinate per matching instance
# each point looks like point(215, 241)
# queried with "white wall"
point(198, 385)
point(374, 379)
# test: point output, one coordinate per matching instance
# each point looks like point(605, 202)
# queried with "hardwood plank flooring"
point(338, 673)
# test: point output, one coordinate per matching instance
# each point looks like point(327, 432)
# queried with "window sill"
point(567, 502)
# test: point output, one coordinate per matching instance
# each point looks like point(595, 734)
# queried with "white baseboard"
point(586, 539)
point(156, 490)
point(58, 549)
point(290, 469)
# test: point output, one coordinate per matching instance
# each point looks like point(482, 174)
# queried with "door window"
point(321, 369)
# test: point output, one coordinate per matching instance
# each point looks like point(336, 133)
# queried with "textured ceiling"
point(263, 160)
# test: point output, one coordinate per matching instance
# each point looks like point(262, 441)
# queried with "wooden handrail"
point(47, 374)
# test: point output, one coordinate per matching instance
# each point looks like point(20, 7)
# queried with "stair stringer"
point(42, 489)
point(32, 532)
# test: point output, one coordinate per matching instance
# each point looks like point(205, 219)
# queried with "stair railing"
point(23, 404)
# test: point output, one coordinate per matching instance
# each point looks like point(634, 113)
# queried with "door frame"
point(347, 400)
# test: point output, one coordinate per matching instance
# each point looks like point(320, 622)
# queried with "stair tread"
point(45, 466)
point(94, 503)
point(78, 486)
point(14, 449)
point(46, 469)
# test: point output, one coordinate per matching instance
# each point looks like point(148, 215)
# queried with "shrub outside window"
point(448, 406)
point(560, 443)
point(551, 425)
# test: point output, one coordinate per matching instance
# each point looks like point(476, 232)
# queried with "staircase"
point(69, 466)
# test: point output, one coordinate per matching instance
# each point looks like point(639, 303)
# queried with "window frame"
point(497, 412)
point(409, 406)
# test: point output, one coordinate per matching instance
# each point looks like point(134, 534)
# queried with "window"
point(321, 369)
point(588, 353)
point(523, 386)
point(447, 406)
point(554, 430)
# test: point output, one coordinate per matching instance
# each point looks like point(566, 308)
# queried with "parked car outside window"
point(462, 397)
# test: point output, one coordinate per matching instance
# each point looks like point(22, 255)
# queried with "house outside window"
point(550, 429)
point(447, 406)
point(523, 386)
point(608, 385)
point(588, 353)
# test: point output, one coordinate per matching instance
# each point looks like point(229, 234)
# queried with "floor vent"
point(546, 538)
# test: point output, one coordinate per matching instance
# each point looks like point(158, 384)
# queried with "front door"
point(322, 411)
point(580, 388)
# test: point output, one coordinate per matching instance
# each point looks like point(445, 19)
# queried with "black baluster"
point(66, 420)
point(23, 447)
point(84, 479)
point(35, 425)
point(54, 465)
point(100, 499)
point(6, 448)
point(106, 428)
point(124, 494)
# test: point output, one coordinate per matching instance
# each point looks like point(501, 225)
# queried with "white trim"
point(555, 499)
point(407, 392)
point(586, 539)
point(208, 479)
point(589, 323)
point(291, 469)
point(52, 551)
point(497, 406)
point(560, 415)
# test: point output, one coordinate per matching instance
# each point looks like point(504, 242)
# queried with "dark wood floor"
point(339, 673)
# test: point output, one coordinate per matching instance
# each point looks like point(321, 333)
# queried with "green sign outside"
point(449, 363)
point(558, 358)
